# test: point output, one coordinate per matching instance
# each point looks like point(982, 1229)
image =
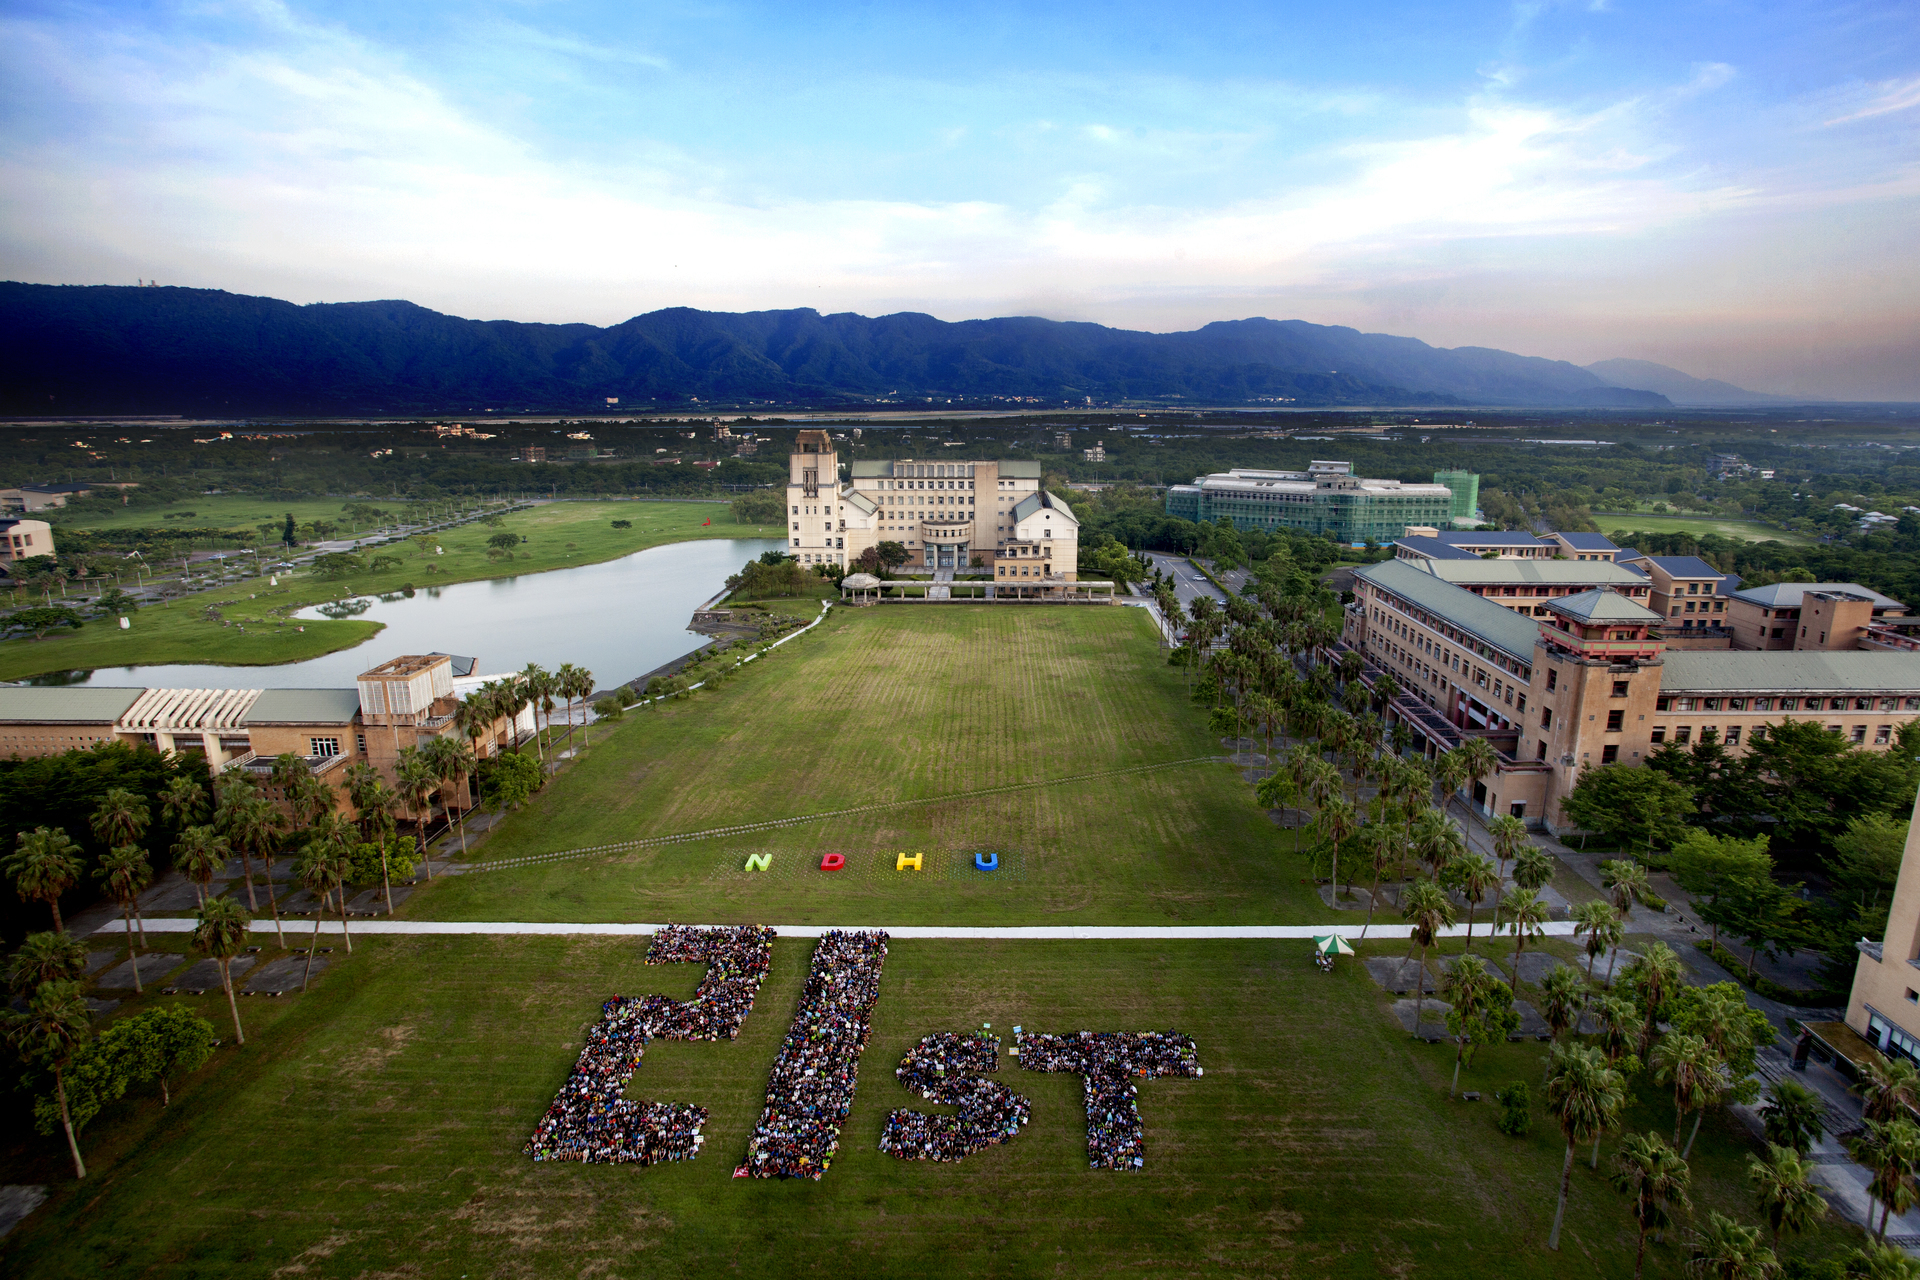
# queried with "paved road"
point(1061, 933)
point(1188, 582)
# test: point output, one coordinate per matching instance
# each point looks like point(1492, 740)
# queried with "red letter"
point(833, 862)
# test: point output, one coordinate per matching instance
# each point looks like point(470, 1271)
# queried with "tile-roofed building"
point(1585, 546)
point(1818, 615)
point(1594, 682)
point(1687, 591)
point(1526, 585)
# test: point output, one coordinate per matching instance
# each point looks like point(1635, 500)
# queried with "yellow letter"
point(906, 862)
point(758, 862)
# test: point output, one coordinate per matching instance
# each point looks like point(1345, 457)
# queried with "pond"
point(618, 619)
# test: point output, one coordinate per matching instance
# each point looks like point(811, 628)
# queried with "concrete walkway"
point(1062, 933)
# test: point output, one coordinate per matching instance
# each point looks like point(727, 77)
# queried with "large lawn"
point(374, 1127)
point(558, 535)
point(929, 705)
point(1615, 524)
point(238, 512)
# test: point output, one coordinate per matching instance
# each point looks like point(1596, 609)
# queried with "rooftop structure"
point(1326, 499)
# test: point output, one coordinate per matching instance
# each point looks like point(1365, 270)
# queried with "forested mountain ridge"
point(112, 349)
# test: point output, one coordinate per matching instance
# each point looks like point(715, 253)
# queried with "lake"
point(618, 619)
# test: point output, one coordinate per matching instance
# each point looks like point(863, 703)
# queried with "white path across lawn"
point(1064, 933)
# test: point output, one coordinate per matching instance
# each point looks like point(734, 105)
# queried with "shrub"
point(608, 708)
point(1516, 1109)
point(366, 860)
point(620, 524)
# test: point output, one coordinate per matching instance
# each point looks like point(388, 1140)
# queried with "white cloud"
point(1888, 97)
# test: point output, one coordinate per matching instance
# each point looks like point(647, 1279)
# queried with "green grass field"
point(235, 511)
point(560, 535)
point(374, 1127)
point(922, 704)
point(1613, 524)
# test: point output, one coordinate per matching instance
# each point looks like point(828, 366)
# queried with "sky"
point(1729, 188)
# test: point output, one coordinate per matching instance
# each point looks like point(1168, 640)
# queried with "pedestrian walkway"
point(1349, 929)
point(942, 588)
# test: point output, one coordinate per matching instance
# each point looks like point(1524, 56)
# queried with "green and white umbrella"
point(1332, 945)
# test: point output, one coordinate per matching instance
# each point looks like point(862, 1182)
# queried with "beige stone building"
point(1594, 682)
point(947, 513)
point(1884, 1008)
point(22, 539)
point(1815, 615)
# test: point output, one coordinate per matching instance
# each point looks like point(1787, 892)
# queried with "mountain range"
point(68, 349)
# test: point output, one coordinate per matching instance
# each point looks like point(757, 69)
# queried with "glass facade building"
point(1326, 499)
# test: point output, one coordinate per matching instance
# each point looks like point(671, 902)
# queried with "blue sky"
point(1729, 188)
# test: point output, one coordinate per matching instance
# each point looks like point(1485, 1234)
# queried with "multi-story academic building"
point(1587, 679)
point(947, 513)
point(1884, 1008)
point(406, 702)
point(1325, 499)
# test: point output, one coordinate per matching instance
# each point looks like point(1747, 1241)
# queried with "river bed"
point(618, 619)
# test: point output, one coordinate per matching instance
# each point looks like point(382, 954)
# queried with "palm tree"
point(46, 957)
point(1784, 1184)
point(226, 815)
point(474, 716)
point(538, 684)
point(199, 853)
point(120, 817)
point(1449, 774)
point(222, 934)
point(182, 801)
point(566, 681)
point(1379, 842)
point(1471, 875)
point(1509, 837)
point(1688, 1064)
point(56, 1023)
point(1656, 1177)
point(1626, 880)
point(1879, 1262)
point(451, 759)
point(44, 865)
point(1890, 1086)
point(1467, 987)
point(1477, 759)
point(1601, 924)
point(254, 824)
point(127, 874)
point(1527, 916)
point(1792, 1115)
point(380, 802)
point(1584, 1093)
point(319, 873)
point(1891, 1149)
point(1532, 868)
point(1619, 1026)
point(1728, 1251)
point(416, 778)
point(357, 780)
point(1436, 840)
point(1655, 976)
point(1427, 909)
point(1563, 996)
point(1337, 820)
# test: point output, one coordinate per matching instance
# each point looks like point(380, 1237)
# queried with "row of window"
point(1676, 702)
point(1683, 734)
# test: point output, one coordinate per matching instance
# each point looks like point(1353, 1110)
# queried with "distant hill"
point(1683, 389)
point(111, 349)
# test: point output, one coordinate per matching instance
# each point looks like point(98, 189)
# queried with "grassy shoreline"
point(560, 535)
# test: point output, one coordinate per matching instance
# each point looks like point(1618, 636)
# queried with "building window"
point(1733, 735)
point(329, 747)
point(1616, 721)
point(1860, 733)
point(1659, 734)
point(1710, 704)
point(361, 738)
point(1518, 808)
point(1684, 734)
point(1546, 717)
point(1553, 678)
point(1620, 687)
point(1663, 704)
point(1883, 735)
point(1609, 754)
point(1763, 704)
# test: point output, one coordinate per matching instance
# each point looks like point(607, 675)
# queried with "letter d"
point(833, 862)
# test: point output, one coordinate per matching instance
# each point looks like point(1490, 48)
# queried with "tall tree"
point(55, 1024)
point(1601, 925)
point(452, 759)
point(416, 777)
point(321, 872)
point(198, 854)
point(1656, 1177)
point(1562, 998)
point(221, 932)
point(1783, 1183)
point(46, 957)
point(1436, 840)
point(1654, 978)
point(1584, 1094)
point(1478, 760)
point(1532, 868)
point(1890, 1149)
point(1424, 907)
point(44, 864)
point(1689, 1066)
point(120, 818)
point(1889, 1088)
point(1728, 1251)
point(1481, 1013)
point(1509, 837)
point(1526, 916)
point(127, 874)
point(1471, 876)
point(1791, 1117)
point(253, 823)
point(182, 801)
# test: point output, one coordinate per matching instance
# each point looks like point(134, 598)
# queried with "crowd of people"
point(590, 1120)
point(1107, 1063)
point(945, 1068)
point(810, 1090)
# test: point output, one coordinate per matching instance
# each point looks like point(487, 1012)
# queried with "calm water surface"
point(618, 619)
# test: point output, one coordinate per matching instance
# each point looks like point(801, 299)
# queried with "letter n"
point(758, 862)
